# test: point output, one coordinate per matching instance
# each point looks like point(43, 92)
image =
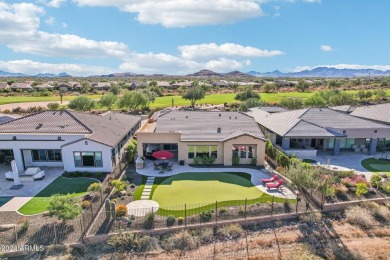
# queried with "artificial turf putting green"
point(74, 186)
point(200, 188)
point(377, 165)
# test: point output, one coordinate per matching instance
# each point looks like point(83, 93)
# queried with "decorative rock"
point(122, 193)
point(87, 197)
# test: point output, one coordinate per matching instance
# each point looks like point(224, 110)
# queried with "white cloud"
point(326, 48)
point(51, 20)
point(19, 25)
point(32, 68)
point(52, 3)
point(212, 50)
point(312, 1)
point(64, 25)
point(179, 13)
point(345, 66)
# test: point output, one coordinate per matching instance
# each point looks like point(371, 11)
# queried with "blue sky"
point(87, 37)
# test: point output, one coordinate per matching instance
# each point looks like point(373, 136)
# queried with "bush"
point(359, 216)
point(330, 192)
point(148, 221)
point(361, 189)
point(182, 241)
point(118, 185)
point(376, 180)
point(235, 160)
point(232, 231)
point(98, 175)
point(197, 160)
point(171, 220)
point(53, 106)
point(205, 216)
point(254, 161)
point(121, 210)
point(132, 185)
point(95, 187)
point(148, 243)
point(386, 186)
point(85, 204)
point(24, 224)
point(180, 220)
point(222, 211)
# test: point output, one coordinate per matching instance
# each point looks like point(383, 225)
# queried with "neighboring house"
point(163, 84)
point(221, 84)
point(102, 86)
point(4, 86)
point(7, 117)
point(303, 132)
point(138, 84)
point(182, 84)
point(73, 140)
point(189, 134)
point(378, 113)
point(21, 86)
point(43, 86)
point(66, 85)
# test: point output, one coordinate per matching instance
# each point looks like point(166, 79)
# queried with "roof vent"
point(38, 126)
point(230, 117)
point(219, 129)
point(186, 116)
point(219, 115)
point(236, 117)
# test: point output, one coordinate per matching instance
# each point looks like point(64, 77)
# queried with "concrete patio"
point(257, 175)
point(29, 189)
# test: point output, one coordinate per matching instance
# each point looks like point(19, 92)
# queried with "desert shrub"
point(359, 216)
point(183, 241)
point(376, 180)
point(180, 220)
point(121, 210)
point(171, 220)
point(222, 211)
point(148, 243)
point(360, 179)
point(348, 182)
point(94, 187)
point(124, 241)
point(118, 185)
point(232, 231)
point(330, 192)
point(148, 221)
point(361, 189)
point(53, 106)
point(198, 160)
point(241, 212)
point(282, 160)
point(205, 216)
point(385, 186)
point(85, 204)
point(382, 213)
point(205, 235)
point(24, 224)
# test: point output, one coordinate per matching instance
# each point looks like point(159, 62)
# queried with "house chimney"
point(219, 130)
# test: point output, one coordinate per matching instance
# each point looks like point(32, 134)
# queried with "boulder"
point(122, 193)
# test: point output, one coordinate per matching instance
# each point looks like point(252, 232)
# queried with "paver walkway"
point(147, 188)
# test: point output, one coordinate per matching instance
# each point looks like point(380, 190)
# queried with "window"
point(250, 151)
point(202, 150)
point(235, 150)
point(88, 159)
point(191, 151)
point(41, 155)
point(244, 151)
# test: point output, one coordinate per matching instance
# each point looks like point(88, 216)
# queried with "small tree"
point(108, 100)
point(64, 207)
point(302, 85)
point(115, 89)
point(62, 92)
point(247, 94)
point(95, 187)
point(194, 94)
point(82, 104)
point(376, 180)
point(118, 185)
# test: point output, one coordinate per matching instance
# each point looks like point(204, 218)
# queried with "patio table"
point(32, 171)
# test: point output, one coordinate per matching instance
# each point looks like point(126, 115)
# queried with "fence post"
point(185, 215)
point(55, 235)
point(272, 210)
point(246, 202)
point(82, 230)
point(216, 212)
point(16, 236)
point(296, 208)
point(101, 196)
point(91, 211)
point(152, 219)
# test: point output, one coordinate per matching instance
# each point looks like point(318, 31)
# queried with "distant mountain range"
point(316, 72)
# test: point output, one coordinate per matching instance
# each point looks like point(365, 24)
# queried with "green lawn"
point(377, 165)
point(75, 186)
point(22, 99)
point(199, 191)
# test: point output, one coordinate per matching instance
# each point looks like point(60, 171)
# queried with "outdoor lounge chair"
point(270, 180)
point(39, 176)
point(275, 185)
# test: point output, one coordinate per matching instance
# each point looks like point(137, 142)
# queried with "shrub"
point(171, 220)
point(205, 216)
point(382, 213)
point(232, 231)
point(124, 241)
point(24, 224)
point(360, 179)
point(182, 241)
point(198, 160)
point(53, 106)
point(148, 243)
point(254, 161)
point(241, 212)
point(348, 182)
point(359, 216)
point(118, 185)
point(376, 180)
point(94, 187)
point(330, 192)
point(85, 204)
point(121, 210)
point(98, 175)
point(132, 185)
point(282, 160)
point(148, 221)
point(361, 189)
point(180, 220)
point(235, 160)
point(222, 211)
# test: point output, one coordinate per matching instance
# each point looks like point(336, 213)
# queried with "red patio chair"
point(275, 185)
point(270, 180)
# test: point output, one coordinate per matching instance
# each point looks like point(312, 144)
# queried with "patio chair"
point(156, 167)
point(9, 176)
point(275, 185)
point(169, 167)
point(270, 180)
point(39, 176)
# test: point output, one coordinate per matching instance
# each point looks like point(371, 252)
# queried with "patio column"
point(373, 145)
point(336, 146)
point(285, 143)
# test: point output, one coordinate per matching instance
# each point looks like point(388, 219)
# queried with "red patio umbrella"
point(163, 155)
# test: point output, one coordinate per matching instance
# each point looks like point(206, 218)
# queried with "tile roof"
point(239, 133)
point(203, 126)
point(313, 122)
point(3, 85)
point(380, 113)
point(108, 128)
point(345, 108)
point(273, 109)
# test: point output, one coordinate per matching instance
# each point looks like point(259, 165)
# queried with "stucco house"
point(189, 134)
point(304, 132)
point(73, 140)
